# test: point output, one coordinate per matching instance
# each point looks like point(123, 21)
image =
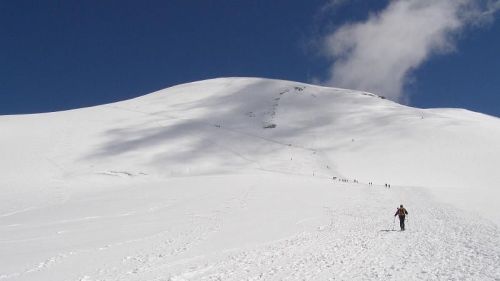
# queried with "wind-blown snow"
point(239, 178)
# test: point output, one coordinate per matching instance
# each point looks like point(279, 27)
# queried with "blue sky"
point(68, 54)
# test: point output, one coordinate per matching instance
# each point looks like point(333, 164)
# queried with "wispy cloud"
point(332, 5)
point(379, 54)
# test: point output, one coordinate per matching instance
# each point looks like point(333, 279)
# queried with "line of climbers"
point(387, 185)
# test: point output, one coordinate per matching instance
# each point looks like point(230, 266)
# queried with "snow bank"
point(239, 125)
point(209, 175)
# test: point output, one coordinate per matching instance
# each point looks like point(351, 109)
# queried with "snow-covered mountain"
point(244, 178)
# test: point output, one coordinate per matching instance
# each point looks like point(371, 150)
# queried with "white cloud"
point(378, 55)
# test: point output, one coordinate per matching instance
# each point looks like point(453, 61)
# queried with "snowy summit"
point(250, 179)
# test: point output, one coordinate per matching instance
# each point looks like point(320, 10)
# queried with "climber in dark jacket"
point(401, 212)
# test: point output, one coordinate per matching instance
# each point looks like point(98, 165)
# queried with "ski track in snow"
point(167, 249)
point(165, 244)
point(16, 212)
point(160, 248)
point(441, 243)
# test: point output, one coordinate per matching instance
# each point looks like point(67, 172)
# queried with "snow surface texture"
point(250, 179)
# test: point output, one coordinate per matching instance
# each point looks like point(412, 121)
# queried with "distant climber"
point(401, 212)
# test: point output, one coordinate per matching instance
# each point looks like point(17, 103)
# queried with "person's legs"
point(402, 222)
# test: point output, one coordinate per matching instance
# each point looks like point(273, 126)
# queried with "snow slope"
point(238, 178)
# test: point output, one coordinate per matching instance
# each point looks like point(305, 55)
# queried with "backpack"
point(401, 211)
